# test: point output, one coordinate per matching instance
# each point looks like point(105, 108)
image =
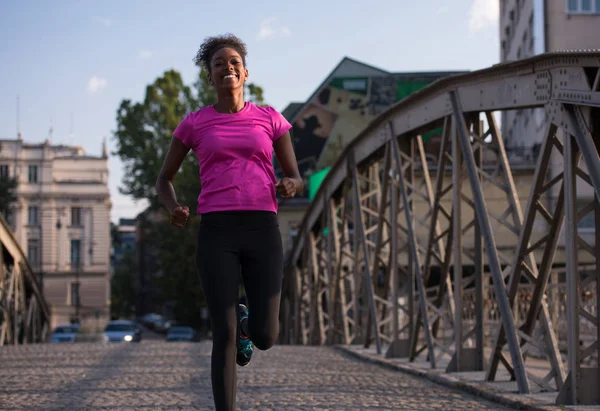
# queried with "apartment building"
point(61, 220)
point(531, 27)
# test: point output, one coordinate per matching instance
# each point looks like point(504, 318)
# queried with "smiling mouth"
point(232, 76)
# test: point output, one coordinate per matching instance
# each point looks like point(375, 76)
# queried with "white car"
point(122, 331)
point(64, 334)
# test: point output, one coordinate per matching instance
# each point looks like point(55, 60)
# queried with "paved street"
point(159, 375)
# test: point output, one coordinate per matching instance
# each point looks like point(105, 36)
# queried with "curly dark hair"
point(215, 43)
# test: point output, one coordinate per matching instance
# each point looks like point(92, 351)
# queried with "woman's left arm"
point(292, 183)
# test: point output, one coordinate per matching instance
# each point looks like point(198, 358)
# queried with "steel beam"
point(490, 247)
point(25, 313)
point(359, 236)
point(413, 247)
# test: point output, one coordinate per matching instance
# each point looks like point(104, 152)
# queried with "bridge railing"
point(377, 256)
point(24, 313)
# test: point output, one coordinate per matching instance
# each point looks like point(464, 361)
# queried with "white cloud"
point(144, 54)
point(442, 10)
point(269, 28)
point(103, 21)
point(96, 83)
point(483, 14)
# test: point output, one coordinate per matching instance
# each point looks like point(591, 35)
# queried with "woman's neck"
point(230, 103)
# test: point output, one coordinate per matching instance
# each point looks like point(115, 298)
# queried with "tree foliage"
point(175, 251)
point(143, 134)
point(122, 286)
point(8, 194)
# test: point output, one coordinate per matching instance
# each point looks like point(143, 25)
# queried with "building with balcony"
point(61, 219)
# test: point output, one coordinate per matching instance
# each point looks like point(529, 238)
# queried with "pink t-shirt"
point(235, 156)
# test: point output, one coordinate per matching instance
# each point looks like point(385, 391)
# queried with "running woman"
point(239, 234)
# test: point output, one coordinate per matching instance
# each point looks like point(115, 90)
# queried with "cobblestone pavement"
point(160, 375)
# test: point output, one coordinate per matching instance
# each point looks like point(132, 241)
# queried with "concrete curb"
point(479, 389)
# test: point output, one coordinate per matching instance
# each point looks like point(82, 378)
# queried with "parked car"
point(149, 320)
point(179, 333)
point(64, 334)
point(163, 326)
point(122, 331)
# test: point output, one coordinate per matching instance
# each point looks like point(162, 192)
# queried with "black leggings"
point(231, 243)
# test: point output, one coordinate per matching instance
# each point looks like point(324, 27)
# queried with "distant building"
point(352, 95)
point(532, 27)
point(61, 221)
point(529, 28)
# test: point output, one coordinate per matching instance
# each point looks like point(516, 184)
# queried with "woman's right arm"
point(164, 182)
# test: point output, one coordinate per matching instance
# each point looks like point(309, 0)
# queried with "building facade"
point(532, 27)
point(529, 28)
point(61, 219)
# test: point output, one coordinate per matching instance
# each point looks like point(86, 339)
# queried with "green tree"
point(8, 194)
point(255, 93)
point(175, 250)
point(122, 286)
point(206, 94)
point(144, 131)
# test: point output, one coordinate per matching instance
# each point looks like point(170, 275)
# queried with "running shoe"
point(245, 347)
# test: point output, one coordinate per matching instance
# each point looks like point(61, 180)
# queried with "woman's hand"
point(287, 187)
point(179, 216)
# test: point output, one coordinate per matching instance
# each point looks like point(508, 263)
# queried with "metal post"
point(394, 254)
point(457, 179)
point(359, 232)
point(479, 272)
point(380, 231)
point(412, 241)
point(572, 276)
point(490, 247)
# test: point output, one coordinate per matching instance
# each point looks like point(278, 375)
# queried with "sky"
point(70, 63)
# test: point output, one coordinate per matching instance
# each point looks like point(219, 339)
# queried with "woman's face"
point(227, 69)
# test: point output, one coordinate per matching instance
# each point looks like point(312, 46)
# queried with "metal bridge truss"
point(24, 314)
point(377, 252)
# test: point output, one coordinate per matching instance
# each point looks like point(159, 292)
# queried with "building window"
point(573, 5)
point(33, 174)
point(33, 252)
point(74, 294)
point(75, 252)
point(76, 216)
point(4, 172)
point(32, 215)
point(583, 6)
